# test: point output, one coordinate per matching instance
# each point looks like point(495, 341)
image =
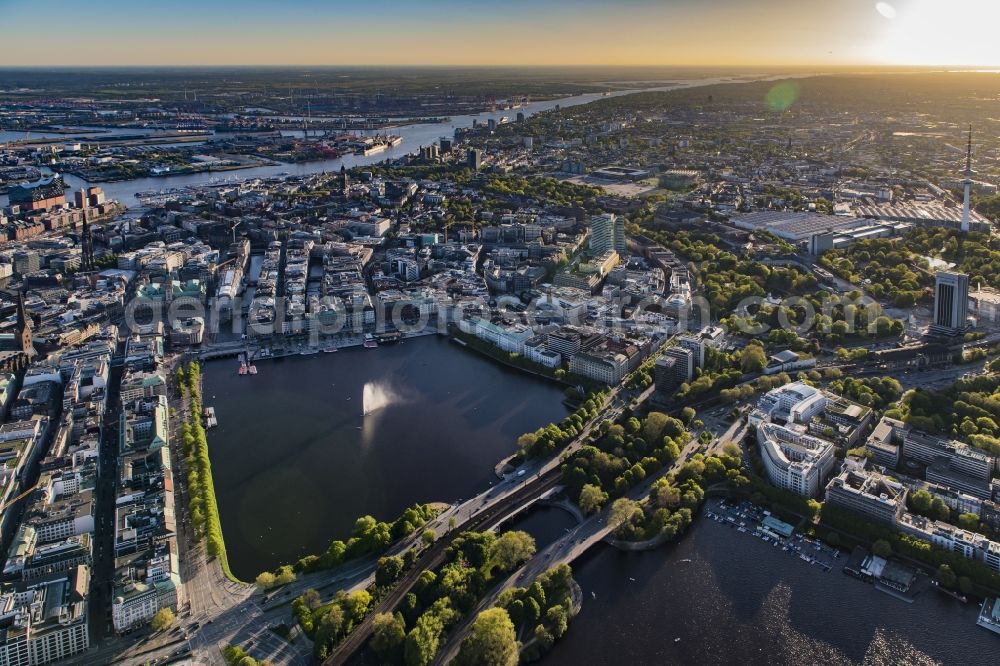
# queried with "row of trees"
point(669, 508)
point(546, 441)
point(414, 633)
point(538, 614)
point(368, 536)
point(829, 317)
point(327, 624)
point(875, 392)
point(204, 509)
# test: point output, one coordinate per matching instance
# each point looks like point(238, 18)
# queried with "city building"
point(684, 363)
point(951, 303)
point(795, 461)
point(885, 442)
point(868, 493)
point(796, 226)
point(951, 463)
point(44, 620)
point(474, 159)
point(788, 361)
point(41, 195)
point(696, 344)
point(842, 421)
point(969, 545)
point(607, 233)
point(792, 403)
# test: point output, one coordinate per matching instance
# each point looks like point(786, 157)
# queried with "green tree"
point(162, 619)
point(882, 548)
point(356, 604)
point(511, 549)
point(422, 642)
point(752, 358)
point(666, 495)
point(622, 511)
point(939, 509)
point(687, 415)
point(946, 576)
point(491, 641)
point(285, 575)
point(311, 599)
point(328, 628)
point(592, 498)
point(968, 521)
point(389, 634)
point(265, 580)
point(921, 501)
point(388, 570)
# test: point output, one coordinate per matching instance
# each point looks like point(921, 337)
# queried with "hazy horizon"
point(519, 33)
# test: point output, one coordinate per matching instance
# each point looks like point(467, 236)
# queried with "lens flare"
point(886, 10)
point(782, 95)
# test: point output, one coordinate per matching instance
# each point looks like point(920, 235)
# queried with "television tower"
point(967, 184)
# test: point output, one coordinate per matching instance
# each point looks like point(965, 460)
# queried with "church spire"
point(87, 263)
point(24, 326)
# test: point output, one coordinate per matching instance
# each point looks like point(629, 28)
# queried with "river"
point(414, 135)
point(740, 601)
point(295, 463)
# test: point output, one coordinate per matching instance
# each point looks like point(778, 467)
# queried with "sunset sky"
point(508, 32)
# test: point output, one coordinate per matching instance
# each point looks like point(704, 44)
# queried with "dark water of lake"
point(740, 601)
point(295, 462)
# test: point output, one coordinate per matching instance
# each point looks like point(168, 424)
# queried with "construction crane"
point(6, 505)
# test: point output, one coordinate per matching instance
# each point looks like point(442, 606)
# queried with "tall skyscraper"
point(951, 302)
point(474, 158)
point(967, 185)
point(607, 232)
point(685, 362)
point(87, 263)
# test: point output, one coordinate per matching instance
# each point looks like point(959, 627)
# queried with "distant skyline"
point(514, 32)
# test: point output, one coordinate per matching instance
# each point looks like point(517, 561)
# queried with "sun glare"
point(931, 32)
point(885, 9)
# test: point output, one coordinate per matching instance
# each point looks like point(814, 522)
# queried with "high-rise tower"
point(951, 303)
point(87, 264)
point(967, 184)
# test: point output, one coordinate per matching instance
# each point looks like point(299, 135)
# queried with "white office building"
point(795, 461)
point(794, 403)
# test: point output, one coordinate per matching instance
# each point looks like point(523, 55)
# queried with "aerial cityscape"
point(413, 334)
